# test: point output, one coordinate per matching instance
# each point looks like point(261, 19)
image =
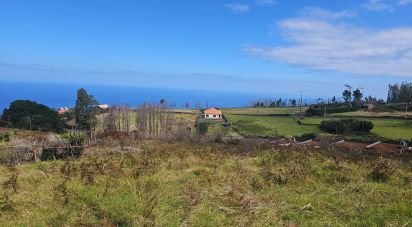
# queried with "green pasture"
point(361, 113)
point(272, 126)
point(391, 129)
point(263, 111)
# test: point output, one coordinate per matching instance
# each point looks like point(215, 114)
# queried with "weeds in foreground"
point(11, 182)
point(383, 170)
point(210, 184)
point(9, 186)
point(5, 203)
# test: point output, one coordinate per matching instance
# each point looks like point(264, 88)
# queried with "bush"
point(306, 136)
point(75, 140)
point(383, 170)
point(346, 126)
point(332, 126)
point(202, 128)
point(317, 110)
point(4, 137)
point(4, 123)
point(26, 114)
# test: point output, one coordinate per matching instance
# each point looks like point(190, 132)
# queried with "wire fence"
point(17, 154)
point(44, 147)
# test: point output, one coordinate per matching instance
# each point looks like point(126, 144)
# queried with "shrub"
point(306, 136)
point(6, 203)
point(382, 170)
point(202, 128)
point(4, 123)
point(4, 137)
point(71, 145)
point(76, 142)
point(332, 126)
point(346, 126)
point(182, 133)
point(318, 110)
point(365, 126)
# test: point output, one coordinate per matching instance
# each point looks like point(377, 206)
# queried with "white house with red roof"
point(63, 110)
point(212, 113)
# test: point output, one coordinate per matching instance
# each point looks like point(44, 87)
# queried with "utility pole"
point(300, 105)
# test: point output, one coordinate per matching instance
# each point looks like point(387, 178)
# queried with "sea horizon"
point(57, 95)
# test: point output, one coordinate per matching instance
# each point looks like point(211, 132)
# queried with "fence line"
point(37, 146)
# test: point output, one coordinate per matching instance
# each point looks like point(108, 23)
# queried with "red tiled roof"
point(213, 111)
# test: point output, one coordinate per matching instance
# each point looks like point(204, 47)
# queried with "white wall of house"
point(211, 116)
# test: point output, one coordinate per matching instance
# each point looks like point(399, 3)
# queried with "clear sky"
point(270, 46)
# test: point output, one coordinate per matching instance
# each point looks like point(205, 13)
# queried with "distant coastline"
point(57, 95)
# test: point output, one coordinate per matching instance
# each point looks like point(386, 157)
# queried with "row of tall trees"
point(154, 119)
point(117, 119)
point(151, 119)
point(352, 98)
point(275, 103)
point(400, 93)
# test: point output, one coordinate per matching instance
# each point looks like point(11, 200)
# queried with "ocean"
point(60, 95)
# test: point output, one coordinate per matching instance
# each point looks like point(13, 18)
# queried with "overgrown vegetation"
point(174, 184)
point(4, 137)
point(69, 145)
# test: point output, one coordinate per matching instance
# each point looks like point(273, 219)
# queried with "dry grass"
point(175, 184)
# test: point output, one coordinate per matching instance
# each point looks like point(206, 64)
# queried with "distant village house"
point(370, 106)
point(62, 110)
point(212, 113)
point(103, 108)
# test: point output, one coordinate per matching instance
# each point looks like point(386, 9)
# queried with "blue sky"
point(267, 46)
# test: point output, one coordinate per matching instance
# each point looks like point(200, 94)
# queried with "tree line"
point(274, 103)
point(400, 93)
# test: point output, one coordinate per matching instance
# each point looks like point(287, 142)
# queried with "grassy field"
point(392, 129)
point(271, 126)
point(206, 185)
point(397, 114)
point(263, 111)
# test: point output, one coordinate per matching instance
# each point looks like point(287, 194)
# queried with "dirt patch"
point(353, 146)
point(386, 147)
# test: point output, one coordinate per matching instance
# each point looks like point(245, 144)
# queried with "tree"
point(186, 105)
point(357, 96)
point(334, 100)
point(202, 128)
point(293, 102)
point(400, 93)
point(279, 102)
point(162, 102)
point(30, 115)
point(84, 110)
point(153, 120)
point(347, 96)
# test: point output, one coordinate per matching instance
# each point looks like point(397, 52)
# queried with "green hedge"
point(346, 126)
point(320, 111)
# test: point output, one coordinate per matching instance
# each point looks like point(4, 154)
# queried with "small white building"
point(212, 113)
point(103, 106)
